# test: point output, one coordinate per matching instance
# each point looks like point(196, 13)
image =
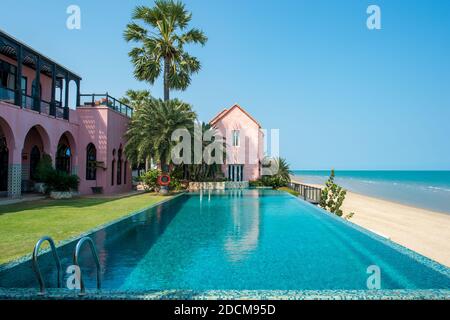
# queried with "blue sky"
point(342, 96)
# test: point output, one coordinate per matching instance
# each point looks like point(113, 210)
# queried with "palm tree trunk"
point(166, 78)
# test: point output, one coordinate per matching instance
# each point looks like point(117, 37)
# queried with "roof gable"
point(225, 112)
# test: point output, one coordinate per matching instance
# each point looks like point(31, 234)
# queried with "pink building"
point(245, 143)
point(83, 134)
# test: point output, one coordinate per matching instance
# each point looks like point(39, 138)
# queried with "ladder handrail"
point(35, 264)
point(96, 259)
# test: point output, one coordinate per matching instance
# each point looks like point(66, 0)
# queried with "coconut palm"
point(150, 130)
point(284, 171)
point(204, 171)
point(136, 98)
point(162, 34)
point(277, 173)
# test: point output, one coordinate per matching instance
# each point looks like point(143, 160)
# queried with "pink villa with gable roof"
point(245, 143)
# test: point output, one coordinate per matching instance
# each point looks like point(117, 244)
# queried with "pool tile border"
point(60, 294)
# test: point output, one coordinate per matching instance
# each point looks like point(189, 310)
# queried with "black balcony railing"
point(308, 193)
point(7, 95)
point(35, 104)
point(106, 100)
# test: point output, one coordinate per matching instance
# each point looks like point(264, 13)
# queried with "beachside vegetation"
point(162, 33)
point(332, 196)
point(22, 224)
point(280, 176)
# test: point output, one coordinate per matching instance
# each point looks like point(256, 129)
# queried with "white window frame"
point(236, 138)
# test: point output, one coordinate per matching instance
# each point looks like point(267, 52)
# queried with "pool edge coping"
point(25, 258)
point(391, 294)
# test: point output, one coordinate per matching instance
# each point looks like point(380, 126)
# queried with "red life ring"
point(164, 180)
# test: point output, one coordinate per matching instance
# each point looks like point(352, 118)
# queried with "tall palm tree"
point(162, 44)
point(150, 130)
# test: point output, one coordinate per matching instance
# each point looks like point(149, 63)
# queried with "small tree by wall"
point(332, 196)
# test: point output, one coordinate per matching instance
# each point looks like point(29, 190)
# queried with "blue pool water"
point(423, 189)
point(251, 239)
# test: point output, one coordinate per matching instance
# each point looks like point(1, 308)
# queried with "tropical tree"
point(149, 133)
point(204, 171)
point(281, 174)
point(136, 98)
point(162, 33)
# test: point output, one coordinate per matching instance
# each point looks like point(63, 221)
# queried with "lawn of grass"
point(293, 192)
point(22, 224)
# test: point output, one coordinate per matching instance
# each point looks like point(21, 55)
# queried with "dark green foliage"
point(150, 179)
point(61, 181)
point(281, 176)
point(44, 168)
point(176, 185)
point(332, 196)
point(255, 183)
point(203, 172)
point(149, 133)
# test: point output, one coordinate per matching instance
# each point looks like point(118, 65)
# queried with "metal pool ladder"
point(97, 262)
point(35, 264)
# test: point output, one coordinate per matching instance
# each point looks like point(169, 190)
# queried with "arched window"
point(119, 167)
point(91, 162)
point(35, 157)
point(63, 155)
point(125, 166)
point(113, 165)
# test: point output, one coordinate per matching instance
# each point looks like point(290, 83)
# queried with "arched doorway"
point(35, 157)
point(36, 144)
point(4, 161)
point(63, 159)
point(6, 152)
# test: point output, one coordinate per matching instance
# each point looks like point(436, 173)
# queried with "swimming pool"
point(239, 240)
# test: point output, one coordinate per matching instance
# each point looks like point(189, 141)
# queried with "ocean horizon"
point(419, 188)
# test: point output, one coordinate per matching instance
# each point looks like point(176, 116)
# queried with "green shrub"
point(61, 181)
point(176, 185)
point(332, 196)
point(255, 183)
point(150, 179)
point(44, 168)
point(275, 181)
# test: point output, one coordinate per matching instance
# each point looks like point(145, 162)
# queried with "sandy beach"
point(424, 231)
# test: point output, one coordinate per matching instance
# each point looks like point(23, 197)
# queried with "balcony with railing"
point(32, 103)
point(23, 70)
point(94, 100)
